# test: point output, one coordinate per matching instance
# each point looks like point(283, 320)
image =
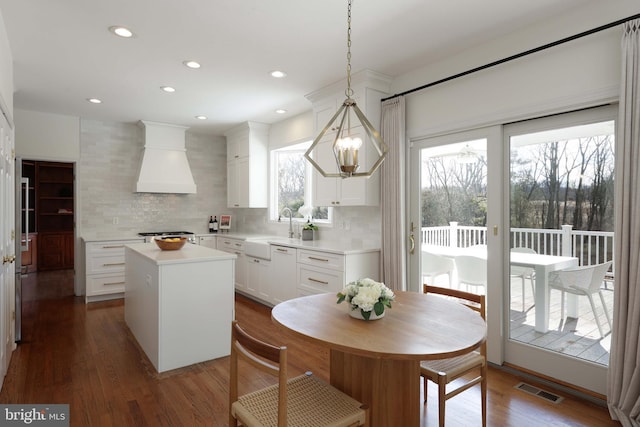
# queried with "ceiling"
point(64, 54)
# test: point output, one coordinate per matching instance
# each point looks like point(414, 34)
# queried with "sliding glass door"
point(455, 209)
point(534, 201)
point(560, 210)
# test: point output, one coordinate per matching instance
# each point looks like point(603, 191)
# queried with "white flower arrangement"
point(367, 295)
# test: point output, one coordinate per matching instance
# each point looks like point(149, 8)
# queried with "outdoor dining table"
point(378, 361)
point(542, 265)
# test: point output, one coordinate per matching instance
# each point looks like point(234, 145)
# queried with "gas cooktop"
point(165, 233)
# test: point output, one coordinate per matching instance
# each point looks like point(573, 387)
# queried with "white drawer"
point(109, 248)
point(320, 279)
point(102, 284)
point(105, 264)
point(230, 245)
point(321, 259)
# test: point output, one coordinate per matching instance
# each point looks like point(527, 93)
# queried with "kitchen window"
point(291, 177)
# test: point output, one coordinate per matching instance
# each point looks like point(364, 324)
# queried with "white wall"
point(46, 136)
point(579, 73)
point(6, 72)
point(293, 130)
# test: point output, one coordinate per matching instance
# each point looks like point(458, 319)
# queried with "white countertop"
point(110, 237)
point(188, 253)
point(316, 245)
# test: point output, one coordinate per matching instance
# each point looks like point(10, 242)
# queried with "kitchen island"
point(179, 304)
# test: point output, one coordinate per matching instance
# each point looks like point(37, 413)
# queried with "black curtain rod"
point(516, 56)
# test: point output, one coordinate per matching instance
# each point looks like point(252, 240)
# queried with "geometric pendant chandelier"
point(347, 141)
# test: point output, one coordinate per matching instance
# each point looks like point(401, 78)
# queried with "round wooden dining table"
point(378, 361)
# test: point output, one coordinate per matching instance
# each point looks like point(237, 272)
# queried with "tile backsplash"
point(110, 155)
point(106, 174)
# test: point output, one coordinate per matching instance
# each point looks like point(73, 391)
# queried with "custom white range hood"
point(164, 167)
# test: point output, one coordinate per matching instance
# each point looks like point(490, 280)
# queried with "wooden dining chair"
point(444, 371)
point(301, 401)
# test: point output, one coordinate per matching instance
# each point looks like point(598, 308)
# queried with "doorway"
point(465, 188)
point(48, 215)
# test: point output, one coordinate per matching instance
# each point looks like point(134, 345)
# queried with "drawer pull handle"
point(318, 259)
point(113, 264)
point(113, 247)
point(114, 283)
point(311, 279)
point(282, 250)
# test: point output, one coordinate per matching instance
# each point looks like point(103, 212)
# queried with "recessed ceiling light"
point(278, 74)
point(121, 31)
point(201, 117)
point(167, 89)
point(281, 111)
point(191, 64)
point(94, 100)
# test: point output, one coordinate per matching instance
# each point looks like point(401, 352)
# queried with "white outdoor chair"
point(524, 273)
point(434, 265)
point(585, 280)
point(472, 271)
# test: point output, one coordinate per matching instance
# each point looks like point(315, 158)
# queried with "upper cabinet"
point(247, 166)
point(369, 88)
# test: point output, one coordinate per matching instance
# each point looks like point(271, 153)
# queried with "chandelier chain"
point(349, 91)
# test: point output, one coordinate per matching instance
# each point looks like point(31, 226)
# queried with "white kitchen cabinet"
point(257, 278)
point(357, 191)
point(321, 272)
point(104, 269)
point(283, 277)
point(247, 166)
point(369, 88)
point(235, 246)
point(208, 241)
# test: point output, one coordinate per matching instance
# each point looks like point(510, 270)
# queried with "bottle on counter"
point(215, 224)
point(211, 225)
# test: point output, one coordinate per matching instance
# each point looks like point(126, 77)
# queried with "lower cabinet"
point(235, 246)
point(55, 250)
point(207, 241)
point(292, 271)
point(321, 272)
point(104, 269)
point(283, 273)
point(258, 283)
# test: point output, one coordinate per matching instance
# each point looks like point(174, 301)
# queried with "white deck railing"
point(590, 247)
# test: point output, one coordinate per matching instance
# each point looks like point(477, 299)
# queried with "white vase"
point(357, 314)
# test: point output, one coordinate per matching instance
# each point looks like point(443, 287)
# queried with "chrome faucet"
point(290, 221)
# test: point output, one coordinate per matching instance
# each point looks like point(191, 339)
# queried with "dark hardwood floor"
point(85, 356)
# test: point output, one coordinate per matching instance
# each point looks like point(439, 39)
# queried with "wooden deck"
point(577, 337)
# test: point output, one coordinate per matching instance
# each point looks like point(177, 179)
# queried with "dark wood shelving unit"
point(54, 214)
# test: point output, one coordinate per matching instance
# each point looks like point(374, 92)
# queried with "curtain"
point(392, 198)
point(623, 386)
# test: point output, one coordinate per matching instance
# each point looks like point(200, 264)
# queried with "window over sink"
point(291, 187)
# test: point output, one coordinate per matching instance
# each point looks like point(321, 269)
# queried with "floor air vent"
point(528, 388)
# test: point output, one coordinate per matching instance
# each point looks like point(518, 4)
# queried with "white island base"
point(179, 304)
